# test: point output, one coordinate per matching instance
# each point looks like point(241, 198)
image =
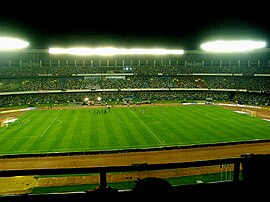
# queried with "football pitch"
point(104, 129)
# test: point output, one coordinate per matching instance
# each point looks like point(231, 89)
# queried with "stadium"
point(66, 114)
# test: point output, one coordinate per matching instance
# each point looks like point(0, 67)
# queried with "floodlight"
point(8, 43)
point(106, 51)
point(232, 45)
point(57, 50)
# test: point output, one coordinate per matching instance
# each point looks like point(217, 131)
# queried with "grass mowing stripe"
point(23, 141)
point(56, 138)
point(85, 136)
point(123, 128)
point(161, 142)
point(221, 130)
point(103, 139)
point(74, 130)
point(78, 121)
point(207, 126)
point(242, 126)
point(172, 127)
point(49, 126)
point(111, 136)
point(140, 132)
point(94, 138)
point(116, 132)
point(226, 126)
point(127, 129)
point(37, 141)
point(60, 136)
point(196, 132)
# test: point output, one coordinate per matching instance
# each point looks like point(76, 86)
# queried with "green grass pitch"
point(93, 129)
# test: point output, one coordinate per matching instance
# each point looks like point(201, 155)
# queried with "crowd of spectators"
point(32, 84)
point(117, 97)
point(250, 83)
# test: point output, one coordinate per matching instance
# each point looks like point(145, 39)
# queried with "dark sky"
point(182, 26)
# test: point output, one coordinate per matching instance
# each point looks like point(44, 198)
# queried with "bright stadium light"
point(232, 45)
point(8, 43)
point(57, 51)
point(113, 51)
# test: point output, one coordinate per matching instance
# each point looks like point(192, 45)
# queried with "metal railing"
point(103, 171)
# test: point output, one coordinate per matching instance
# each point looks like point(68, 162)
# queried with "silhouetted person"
point(256, 172)
point(152, 185)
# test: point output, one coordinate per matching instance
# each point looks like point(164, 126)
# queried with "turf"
point(94, 129)
point(176, 181)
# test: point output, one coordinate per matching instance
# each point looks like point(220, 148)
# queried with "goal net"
point(249, 112)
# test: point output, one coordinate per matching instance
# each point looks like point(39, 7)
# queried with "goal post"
point(249, 112)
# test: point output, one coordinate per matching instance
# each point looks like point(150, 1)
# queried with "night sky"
point(132, 25)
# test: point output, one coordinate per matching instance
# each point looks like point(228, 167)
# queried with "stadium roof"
point(134, 25)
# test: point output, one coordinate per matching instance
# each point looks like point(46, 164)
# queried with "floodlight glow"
point(57, 50)
point(93, 51)
point(8, 43)
point(113, 51)
point(232, 46)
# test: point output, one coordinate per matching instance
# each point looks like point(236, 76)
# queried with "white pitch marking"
point(147, 127)
point(48, 126)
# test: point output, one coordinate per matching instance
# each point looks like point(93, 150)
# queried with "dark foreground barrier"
point(254, 182)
